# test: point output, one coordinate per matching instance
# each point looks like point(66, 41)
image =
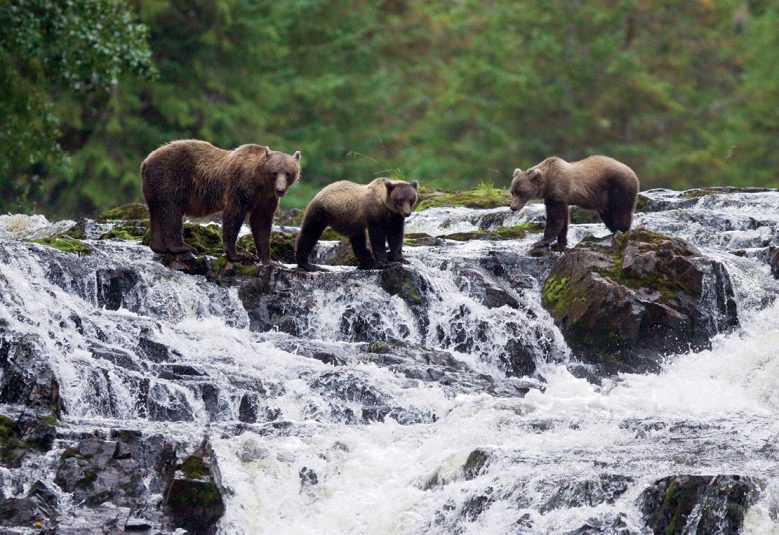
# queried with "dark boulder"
point(193, 500)
point(698, 504)
point(623, 304)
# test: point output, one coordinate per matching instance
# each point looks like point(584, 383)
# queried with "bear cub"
point(195, 178)
point(596, 183)
point(350, 209)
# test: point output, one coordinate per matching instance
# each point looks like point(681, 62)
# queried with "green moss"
point(669, 503)
point(553, 292)
point(65, 244)
point(202, 495)
point(194, 467)
point(119, 233)
point(206, 239)
point(125, 212)
point(515, 232)
point(222, 266)
point(668, 287)
point(379, 347)
point(330, 235)
point(87, 479)
point(485, 196)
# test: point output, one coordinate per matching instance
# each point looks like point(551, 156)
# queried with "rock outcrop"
point(623, 304)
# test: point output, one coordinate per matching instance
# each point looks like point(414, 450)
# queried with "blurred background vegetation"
point(453, 93)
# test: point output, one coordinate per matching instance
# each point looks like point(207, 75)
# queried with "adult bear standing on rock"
point(195, 178)
point(596, 183)
point(350, 209)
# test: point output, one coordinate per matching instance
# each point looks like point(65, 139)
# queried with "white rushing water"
point(367, 448)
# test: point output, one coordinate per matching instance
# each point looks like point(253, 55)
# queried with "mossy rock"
point(206, 239)
point(194, 467)
point(65, 244)
point(405, 283)
point(624, 302)
point(581, 216)
point(719, 190)
point(29, 433)
point(125, 212)
point(482, 197)
point(135, 230)
point(222, 267)
point(516, 232)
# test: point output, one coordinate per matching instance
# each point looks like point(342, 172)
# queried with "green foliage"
point(59, 61)
point(450, 93)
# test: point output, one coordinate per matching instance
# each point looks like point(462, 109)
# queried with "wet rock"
point(37, 508)
point(113, 285)
point(475, 463)
point(406, 284)
point(165, 403)
point(623, 304)
point(193, 500)
point(24, 436)
point(92, 472)
point(488, 292)
point(27, 377)
point(308, 477)
point(606, 488)
point(773, 261)
point(698, 504)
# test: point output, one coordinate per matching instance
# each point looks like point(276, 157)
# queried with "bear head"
point(526, 185)
point(283, 169)
point(401, 196)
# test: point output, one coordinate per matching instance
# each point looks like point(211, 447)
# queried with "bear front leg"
point(556, 219)
point(261, 223)
point(562, 236)
point(232, 219)
point(378, 239)
point(395, 240)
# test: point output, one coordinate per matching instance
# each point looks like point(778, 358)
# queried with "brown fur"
point(596, 183)
point(350, 209)
point(195, 178)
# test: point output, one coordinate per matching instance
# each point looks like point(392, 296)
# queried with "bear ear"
point(517, 171)
point(388, 184)
point(296, 155)
point(535, 174)
point(267, 151)
point(415, 185)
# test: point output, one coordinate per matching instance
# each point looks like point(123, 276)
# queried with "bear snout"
point(280, 192)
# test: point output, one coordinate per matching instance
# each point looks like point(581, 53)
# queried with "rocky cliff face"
point(147, 394)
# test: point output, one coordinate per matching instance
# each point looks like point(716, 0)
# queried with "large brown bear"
point(191, 177)
point(350, 209)
point(596, 183)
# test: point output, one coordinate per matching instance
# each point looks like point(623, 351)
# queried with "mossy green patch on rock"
point(128, 231)
point(194, 467)
point(65, 244)
point(125, 212)
point(206, 239)
point(515, 232)
point(221, 266)
point(481, 197)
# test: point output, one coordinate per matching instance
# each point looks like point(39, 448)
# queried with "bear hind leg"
point(310, 232)
point(156, 229)
point(173, 231)
point(361, 251)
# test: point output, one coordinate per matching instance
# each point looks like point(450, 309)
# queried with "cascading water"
point(374, 411)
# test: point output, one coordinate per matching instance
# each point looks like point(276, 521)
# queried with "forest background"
point(454, 93)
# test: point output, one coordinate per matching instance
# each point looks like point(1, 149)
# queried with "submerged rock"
point(698, 504)
point(624, 303)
